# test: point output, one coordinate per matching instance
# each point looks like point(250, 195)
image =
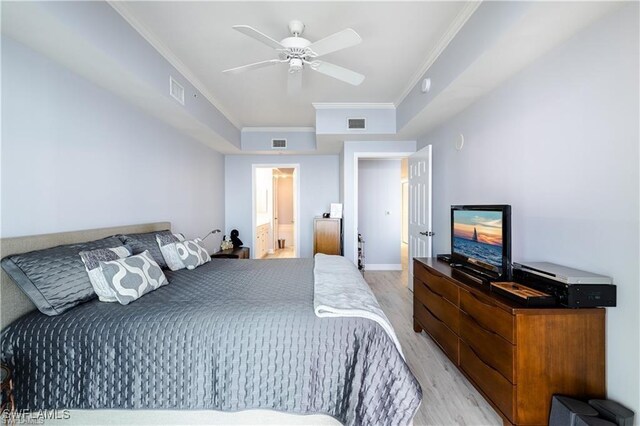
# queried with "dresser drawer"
point(440, 307)
point(494, 349)
point(440, 333)
point(487, 314)
point(436, 283)
point(498, 389)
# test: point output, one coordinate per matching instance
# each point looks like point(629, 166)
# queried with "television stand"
point(516, 356)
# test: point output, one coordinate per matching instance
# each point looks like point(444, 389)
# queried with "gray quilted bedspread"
point(230, 335)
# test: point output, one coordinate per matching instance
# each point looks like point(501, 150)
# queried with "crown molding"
point(278, 129)
point(122, 8)
point(458, 22)
point(353, 105)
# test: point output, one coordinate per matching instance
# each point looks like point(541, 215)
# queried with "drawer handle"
point(434, 292)
point(476, 322)
point(481, 301)
point(433, 315)
point(483, 361)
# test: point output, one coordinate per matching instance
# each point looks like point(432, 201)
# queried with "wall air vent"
point(278, 143)
point(357, 123)
point(176, 90)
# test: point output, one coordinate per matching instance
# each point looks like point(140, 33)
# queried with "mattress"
point(230, 335)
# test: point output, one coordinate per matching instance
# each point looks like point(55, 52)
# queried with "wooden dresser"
point(517, 357)
point(327, 236)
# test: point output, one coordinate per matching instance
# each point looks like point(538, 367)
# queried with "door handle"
point(428, 233)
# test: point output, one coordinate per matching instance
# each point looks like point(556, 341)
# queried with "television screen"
point(477, 235)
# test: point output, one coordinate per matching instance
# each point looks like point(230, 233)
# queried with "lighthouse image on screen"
point(477, 235)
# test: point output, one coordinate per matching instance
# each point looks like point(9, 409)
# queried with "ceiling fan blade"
point(338, 72)
point(255, 34)
point(294, 83)
point(253, 66)
point(340, 40)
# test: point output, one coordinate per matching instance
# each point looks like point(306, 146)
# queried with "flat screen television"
point(481, 239)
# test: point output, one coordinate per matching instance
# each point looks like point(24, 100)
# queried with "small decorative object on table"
point(226, 244)
point(237, 242)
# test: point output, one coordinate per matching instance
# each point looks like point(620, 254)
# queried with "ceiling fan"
point(299, 53)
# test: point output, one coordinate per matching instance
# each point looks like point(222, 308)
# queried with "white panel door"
point(420, 232)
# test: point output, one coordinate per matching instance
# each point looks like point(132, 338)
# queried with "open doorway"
point(275, 207)
point(382, 218)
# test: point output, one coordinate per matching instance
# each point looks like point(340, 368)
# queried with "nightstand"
point(7, 404)
point(237, 253)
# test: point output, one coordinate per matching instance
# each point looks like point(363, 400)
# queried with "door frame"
point(296, 202)
point(356, 172)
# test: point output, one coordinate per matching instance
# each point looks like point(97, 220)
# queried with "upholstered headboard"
point(13, 302)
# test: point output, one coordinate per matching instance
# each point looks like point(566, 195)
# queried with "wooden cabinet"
point(327, 236)
point(263, 240)
point(234, 253)
point(517, 357)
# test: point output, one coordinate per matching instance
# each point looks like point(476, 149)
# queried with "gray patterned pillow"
point(132, 277)
point(192, 253)
point(92, 261)
point(146, 241)
point(167, 244)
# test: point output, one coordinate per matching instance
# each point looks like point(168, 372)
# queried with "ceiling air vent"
point(278, 143)
point(176, 90)
point(357, 123)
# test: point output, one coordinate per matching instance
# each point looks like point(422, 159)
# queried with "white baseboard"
point(382, 267)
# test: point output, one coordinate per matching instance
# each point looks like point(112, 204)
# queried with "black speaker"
point(565, 411)
point(592, 421)
point(613, 411)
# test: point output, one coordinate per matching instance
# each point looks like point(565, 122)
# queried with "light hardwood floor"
point(447, 397)
point(287, 252)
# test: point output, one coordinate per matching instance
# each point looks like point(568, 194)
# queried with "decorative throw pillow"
point(132, 277)
point(55, 278)
point(167, 244)
point(146, 241)
point(192, 253)
point(92, 261)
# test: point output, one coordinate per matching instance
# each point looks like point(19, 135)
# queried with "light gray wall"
point(487, 24)
point(559, 142)
point(75, 156)
point(285, 200)
point(118, 51)
point(318, 189)
point(379, 208)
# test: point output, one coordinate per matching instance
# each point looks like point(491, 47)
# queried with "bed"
point(229, 336)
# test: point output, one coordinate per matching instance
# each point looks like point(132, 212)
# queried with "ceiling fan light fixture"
point(295, 65)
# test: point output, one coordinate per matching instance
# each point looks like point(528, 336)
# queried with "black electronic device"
point(571, 288)
point(444, 258)
point(481, 240)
